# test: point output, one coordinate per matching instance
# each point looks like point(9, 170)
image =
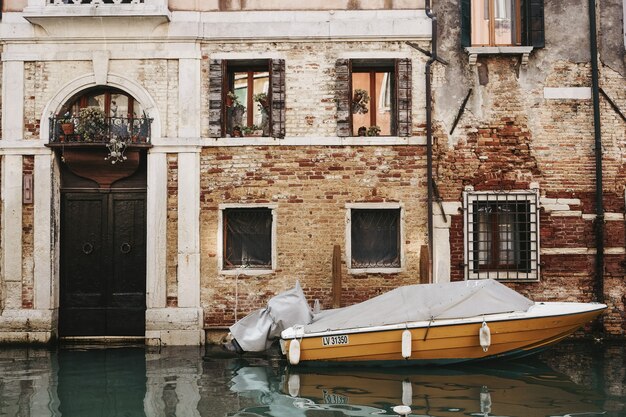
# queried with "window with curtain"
point(502, 235)
point(375, 238)
point(247, 235)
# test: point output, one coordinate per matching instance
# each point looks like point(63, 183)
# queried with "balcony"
point(113, 17)
point(77, 131)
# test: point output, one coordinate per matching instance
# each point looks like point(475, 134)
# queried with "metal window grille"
point(375, 238)
point(502, 236)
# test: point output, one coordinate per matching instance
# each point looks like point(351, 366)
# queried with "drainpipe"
point(429, 136)
point(599, 222)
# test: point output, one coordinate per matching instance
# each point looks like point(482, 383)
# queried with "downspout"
point(599, 221)
point(429, 137)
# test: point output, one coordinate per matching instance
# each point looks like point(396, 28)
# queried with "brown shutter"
point(277, 97)
point(403, 97)
point(217, 72)
point(342, 96)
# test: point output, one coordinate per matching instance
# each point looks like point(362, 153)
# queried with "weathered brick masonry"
point(512, 138)
point(311, 186)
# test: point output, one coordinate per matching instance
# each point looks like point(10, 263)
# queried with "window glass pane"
point(501, 235)
point(248, 110)
point(503, 19)
point(372, 107)
point(375, 238)
point(480, 22)
point(119, 105)
point(248, 238)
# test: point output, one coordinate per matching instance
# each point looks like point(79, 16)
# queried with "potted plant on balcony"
point(253, 130)
point(91, 123)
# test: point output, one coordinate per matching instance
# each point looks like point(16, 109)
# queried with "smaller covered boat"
point(420, 324)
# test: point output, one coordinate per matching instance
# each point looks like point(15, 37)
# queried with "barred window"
point(247, 238)
point(502, 235)
point(375, 238)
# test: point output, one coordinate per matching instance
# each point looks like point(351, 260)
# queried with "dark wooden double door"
point(103, 264)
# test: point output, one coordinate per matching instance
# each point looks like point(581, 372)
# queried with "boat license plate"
point(335, 340)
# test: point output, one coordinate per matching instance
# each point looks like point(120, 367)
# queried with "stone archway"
point(102, 276)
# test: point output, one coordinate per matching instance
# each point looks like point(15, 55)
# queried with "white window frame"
point(469, 197)
point(348, 243)
point(220, 240)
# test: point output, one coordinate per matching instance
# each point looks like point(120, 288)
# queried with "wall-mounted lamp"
point(27, 189)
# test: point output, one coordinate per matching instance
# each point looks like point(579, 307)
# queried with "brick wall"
point(510, 137)
point(310, 186)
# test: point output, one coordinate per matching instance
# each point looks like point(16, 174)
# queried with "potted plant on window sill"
point(252, 131)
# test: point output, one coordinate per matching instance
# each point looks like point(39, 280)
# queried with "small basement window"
point(247, 235)
point(375, 239)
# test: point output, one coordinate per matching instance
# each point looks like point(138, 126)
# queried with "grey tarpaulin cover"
point(424, 302)
point(257, 330)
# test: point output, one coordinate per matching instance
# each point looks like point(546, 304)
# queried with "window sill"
point(474, 51)
point(362, 271)
point(246, 271)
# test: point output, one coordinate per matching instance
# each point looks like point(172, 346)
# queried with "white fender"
point(484, 334)
point(294, 385)
point(407, 393)
point(294, 352)
point(403, 410)
point(406, 344)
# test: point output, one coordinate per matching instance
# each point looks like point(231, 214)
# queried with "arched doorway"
point(103, 213)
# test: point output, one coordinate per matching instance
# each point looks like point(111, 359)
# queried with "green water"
point(574, 379)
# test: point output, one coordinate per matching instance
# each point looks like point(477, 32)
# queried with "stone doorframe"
point(180, 325)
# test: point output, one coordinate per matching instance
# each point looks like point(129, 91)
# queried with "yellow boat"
point(415, 324)
point(445, 341)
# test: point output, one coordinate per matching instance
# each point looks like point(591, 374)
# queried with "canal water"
point(573, 379)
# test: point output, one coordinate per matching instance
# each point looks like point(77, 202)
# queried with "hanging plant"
point(360, 101)
point(91, 123)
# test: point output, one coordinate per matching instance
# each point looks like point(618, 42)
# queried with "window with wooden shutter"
point(247, 98)
point(373, 97)
point(502, 23)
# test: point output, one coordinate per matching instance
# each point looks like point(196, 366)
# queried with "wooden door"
point(103, 258)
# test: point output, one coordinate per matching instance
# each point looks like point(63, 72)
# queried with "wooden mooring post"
point(336, 276)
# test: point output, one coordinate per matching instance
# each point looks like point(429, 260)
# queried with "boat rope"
point(432, 319)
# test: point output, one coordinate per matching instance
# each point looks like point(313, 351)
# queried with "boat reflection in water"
point(188, 382)
point(507, 389)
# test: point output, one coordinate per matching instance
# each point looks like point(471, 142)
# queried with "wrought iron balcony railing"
point(76, 130)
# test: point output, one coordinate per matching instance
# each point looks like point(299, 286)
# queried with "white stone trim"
point(156, 233)
point(608, 217)
point(567, 93)
point(220, 239)
point(475, 51)
point(12, 231)
point(43, 260)
point(172, 143)
point(189, 106)
point(335, 25)
point(13, 99)
point(375, 55)
point(348, 237)
point(23, 147)
point(189, 230)
point(582, 251)
point(441, 239)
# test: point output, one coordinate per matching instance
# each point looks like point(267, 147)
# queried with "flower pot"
point(67, 128)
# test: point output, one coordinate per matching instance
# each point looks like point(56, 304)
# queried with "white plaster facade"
point(84, 46)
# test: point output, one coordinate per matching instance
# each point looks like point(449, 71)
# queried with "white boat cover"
point(424, 302)
point(257, 331)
